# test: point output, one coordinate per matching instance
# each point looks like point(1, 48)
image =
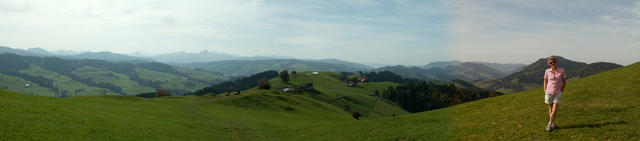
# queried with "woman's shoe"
point(548, 127)
point(553, 125)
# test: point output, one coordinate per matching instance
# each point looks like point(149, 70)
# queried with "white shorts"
point(552, 98)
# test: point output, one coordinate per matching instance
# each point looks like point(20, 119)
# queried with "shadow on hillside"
point(591, 125)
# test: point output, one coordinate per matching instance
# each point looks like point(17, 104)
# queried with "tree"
point(161, 93)
point(347, 107)
point(264, 85)
point(294, 72)
point(284, 75)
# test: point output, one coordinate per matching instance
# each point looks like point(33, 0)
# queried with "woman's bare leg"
point(550, 109)
point(553, 108)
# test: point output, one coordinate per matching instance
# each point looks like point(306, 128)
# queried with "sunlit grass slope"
point(253, 115)
point(601, 107)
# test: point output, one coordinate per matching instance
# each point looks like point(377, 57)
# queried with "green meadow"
point(603, 106)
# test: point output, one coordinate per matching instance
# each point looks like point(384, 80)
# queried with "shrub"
point(264, 85)
point(161, 93)
point(356, 115)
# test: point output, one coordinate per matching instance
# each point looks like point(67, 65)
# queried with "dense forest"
point(417, 95)
point(387, 76)
point(239, 84)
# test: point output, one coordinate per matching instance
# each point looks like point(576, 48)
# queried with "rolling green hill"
point(603, 106)
point(51, 76)
point(329, 89)
point(255, 115)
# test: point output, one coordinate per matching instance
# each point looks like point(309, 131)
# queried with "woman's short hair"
point(551, 58)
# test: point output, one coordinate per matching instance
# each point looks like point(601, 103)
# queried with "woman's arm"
point(545, 84)
point(564, 83)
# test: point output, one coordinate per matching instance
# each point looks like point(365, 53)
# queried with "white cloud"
point(392, 32)
point(244, 27)
point(522, 31)
point(121, 25)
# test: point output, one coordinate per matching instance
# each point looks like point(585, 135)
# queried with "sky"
point(368, 31)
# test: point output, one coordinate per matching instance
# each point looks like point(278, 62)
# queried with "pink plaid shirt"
point(554, 80)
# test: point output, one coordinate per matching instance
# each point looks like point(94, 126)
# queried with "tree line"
point(239, 84)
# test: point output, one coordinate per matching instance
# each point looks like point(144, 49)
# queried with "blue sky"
point(388, 32)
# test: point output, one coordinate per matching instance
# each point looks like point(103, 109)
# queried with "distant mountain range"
point(30, 52)
point(72, 55)
point(506, 68)
point(531, 76)
point(248, 67)
point(109, 56)
point(451, 70)
point(207, 56)
point(63, 77)
point(169, 58)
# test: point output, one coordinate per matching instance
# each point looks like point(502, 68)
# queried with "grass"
point(169, 81)
point(185, 79)
point(201, 75)
point(599, 107)
point(18, 84)
point(98, 75)
point(257, 114)
point(331, 90)
point(65, 83)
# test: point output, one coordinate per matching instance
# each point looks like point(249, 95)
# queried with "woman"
point(555, 80)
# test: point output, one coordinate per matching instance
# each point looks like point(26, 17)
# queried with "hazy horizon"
point(385, 32)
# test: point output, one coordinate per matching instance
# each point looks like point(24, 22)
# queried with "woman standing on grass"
point(555, 80)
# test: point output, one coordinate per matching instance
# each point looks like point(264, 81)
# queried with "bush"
point(356, 115)
point(147, 95)
point(264, 85)
point(161, 93)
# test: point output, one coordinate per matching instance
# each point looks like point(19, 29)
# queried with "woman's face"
point(552, 64)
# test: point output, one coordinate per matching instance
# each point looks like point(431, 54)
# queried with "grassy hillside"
point(50, 76)
point(329, 89)
point(255, 115)
point(599, 107)
point(62, 83)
